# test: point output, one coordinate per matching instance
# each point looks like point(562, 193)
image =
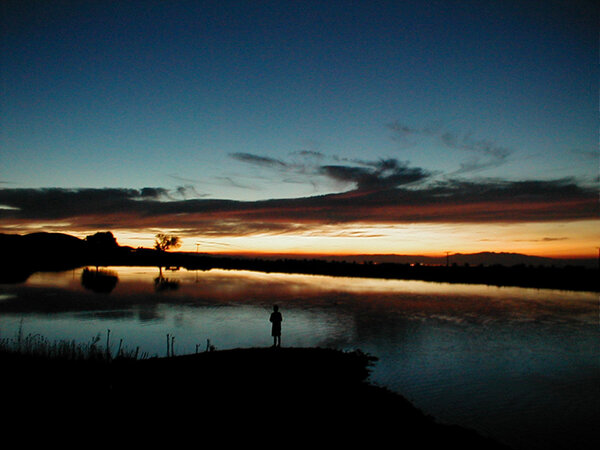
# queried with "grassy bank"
point(240, 395)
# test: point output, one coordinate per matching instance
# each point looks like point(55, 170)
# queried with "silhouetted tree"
point(164, 242)
point(102, 247)
point(102, 240)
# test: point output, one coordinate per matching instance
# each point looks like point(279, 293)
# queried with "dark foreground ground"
point(288, 397)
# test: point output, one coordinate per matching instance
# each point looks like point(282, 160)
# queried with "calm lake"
point(521, 365)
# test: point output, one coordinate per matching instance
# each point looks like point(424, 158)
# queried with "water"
point(520, 365)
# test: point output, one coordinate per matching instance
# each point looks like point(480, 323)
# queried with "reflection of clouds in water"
point(356, 297)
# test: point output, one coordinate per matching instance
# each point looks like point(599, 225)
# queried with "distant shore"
point(541, 277)
point(306, 394)
point(27, 254)
point(561, 278)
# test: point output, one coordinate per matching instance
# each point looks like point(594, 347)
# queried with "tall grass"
point(36, 345)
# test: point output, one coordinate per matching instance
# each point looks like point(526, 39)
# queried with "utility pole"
point(447, 259)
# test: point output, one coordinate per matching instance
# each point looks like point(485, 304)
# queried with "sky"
point(409, 127)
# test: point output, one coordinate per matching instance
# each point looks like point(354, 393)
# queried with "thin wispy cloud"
point(485, 154)
point(310, 154)
point(544, 239)
point(258, 160)
point(475, 155)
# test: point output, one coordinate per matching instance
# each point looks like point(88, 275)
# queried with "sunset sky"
point(409, 127)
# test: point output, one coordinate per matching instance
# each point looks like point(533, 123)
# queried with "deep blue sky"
point(259, 100)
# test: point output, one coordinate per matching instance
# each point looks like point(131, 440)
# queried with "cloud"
point(310, 154)
point(485, 154)
point(383, 174)
point(409, 136)
point(363, 175)
point(258, 160)
point(402, 130)
point(188, 191)
point(147, 193)
point(442, 202)
point(544, 239)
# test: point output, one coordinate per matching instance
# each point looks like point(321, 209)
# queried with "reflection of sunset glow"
point(218, 287)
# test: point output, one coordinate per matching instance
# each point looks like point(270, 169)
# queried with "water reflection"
point(389, 299)
point(161, 283)
point(486, 357)
point(101, 281)
point(165, 284)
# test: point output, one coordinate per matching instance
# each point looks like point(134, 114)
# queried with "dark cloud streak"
point(443, 202)
point(384, 174)
point(365, 175)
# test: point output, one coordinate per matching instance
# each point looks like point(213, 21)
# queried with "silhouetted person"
point(276, 319)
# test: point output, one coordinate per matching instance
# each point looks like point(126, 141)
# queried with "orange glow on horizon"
point(577, 239)
point(556, 240)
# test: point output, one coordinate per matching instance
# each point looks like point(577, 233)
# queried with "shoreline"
point(38, 252)
point(572, 279)
point(311, 393)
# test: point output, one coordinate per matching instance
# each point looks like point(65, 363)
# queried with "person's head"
point(275, 308)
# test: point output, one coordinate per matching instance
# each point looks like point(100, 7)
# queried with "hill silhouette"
point(473, 259)
point(23, 255)
point(26, 254)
